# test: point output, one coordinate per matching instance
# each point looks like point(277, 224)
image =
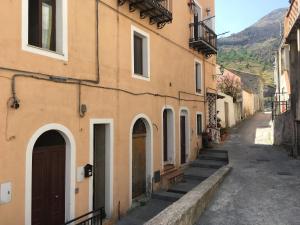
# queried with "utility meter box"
point(88, 170)
point(5, 192)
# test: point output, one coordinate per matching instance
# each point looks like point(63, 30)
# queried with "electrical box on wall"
point(5, 192)
point(88, 170)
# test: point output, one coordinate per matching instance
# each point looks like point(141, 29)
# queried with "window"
point(42, 24)
point(198, 17)
point(198, 77)
point(138, 55)
point(198, 11)
point(44, 27)
point(199, 124)
point(140, 51)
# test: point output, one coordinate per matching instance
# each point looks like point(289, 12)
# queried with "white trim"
point(185, 112)
point(70, 170)
point(202, 124)
point(198, 4)
point(149, 151)
point(171, 137)
point(62, 35)
point(146, 45)
point(202, 74)
point(109, 162)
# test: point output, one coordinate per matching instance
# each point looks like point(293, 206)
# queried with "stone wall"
point(284, 129)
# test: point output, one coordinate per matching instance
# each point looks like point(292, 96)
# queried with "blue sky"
point(236, 15)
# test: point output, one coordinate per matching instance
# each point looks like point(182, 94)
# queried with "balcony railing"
point(202, 38)
point(158, 11)
point(92, 218)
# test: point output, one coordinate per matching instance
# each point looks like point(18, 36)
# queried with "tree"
point(230, 85)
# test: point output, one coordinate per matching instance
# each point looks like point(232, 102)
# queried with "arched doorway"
point(48, 179)
point(139, 134)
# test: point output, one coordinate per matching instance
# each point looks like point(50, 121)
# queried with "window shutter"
point(138, 55)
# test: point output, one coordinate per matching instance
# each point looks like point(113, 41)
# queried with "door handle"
point(56, 196)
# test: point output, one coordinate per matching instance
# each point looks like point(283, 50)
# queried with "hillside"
point(252, 50)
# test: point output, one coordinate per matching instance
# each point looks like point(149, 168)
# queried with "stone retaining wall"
point(188, 209)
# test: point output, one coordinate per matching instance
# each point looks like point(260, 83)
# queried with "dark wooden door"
point(183, 139)
point(165, 134)
point(138, 165)
point(48, 185)
point(99, 167)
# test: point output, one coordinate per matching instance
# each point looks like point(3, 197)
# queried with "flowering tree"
point(230, 84)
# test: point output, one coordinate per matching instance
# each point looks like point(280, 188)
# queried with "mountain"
point(252, 50)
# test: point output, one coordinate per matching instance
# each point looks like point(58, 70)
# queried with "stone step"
point(199, 172)
point(215, 150)
point(215, 154)
point(202, 163)
point(169, 168)
point(183, 187)
point(167, 196)
point(127, 220)
point(195, 178)
point(213, 157)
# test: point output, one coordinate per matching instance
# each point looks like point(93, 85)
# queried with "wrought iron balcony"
point(202, 38)
point(158, 11)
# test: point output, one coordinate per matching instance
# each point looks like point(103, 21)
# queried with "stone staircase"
point(207, 163)
point(171, 176)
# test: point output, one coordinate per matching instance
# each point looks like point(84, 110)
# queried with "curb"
point(188, 209)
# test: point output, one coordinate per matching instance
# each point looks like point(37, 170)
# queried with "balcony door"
point(197, 18)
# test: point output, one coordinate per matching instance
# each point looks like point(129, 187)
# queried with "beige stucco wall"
point(248, 104)
point(43, 102)
point(221, 108)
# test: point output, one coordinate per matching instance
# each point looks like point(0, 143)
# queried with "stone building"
point(287, 125)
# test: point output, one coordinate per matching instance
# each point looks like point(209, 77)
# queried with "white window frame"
point(171, 136)
point(146, 54)
point(109, 163)
point(201, 9)
point(61, 32)
point(202, 80)
point(202, 124)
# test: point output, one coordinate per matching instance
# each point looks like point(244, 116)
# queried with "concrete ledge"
point(188, 209)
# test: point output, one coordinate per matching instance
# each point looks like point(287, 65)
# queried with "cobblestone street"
point(263, 186)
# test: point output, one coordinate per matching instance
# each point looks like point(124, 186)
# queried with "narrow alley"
point(263, 186)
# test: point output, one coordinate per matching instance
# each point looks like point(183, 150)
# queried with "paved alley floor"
point(263, 187)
